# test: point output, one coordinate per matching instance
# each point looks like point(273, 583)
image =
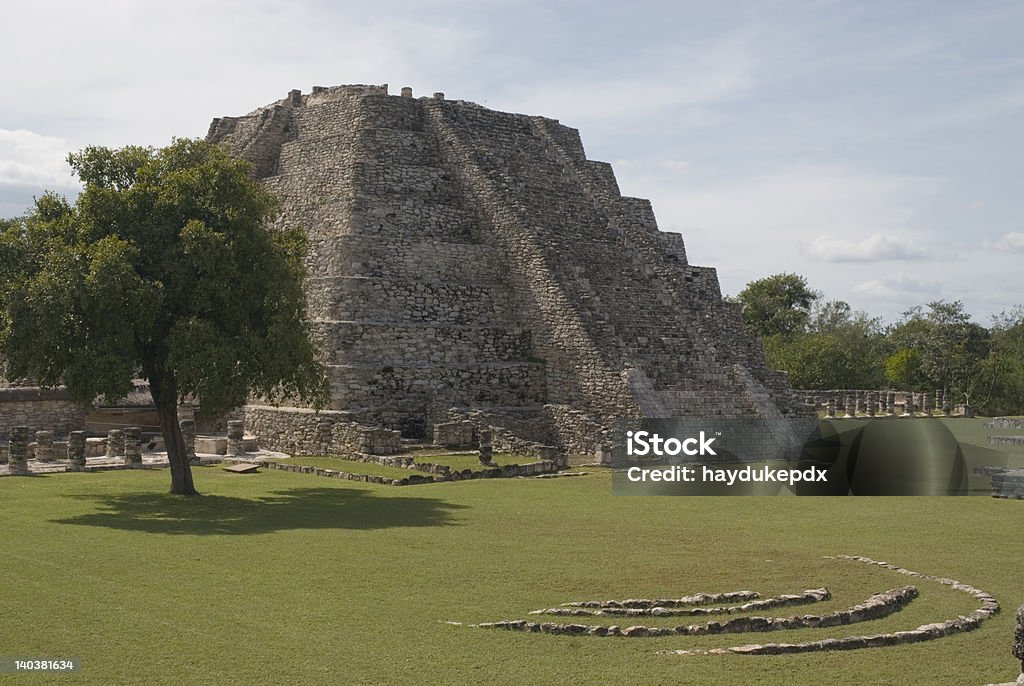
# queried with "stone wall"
point(363, 343)
point(328, 432)
point(40, 409)
point(1006, 423)
point(382, 299)
point(1007, 482)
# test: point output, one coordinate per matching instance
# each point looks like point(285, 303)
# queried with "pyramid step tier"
point(431, 260)
point(409, 219)
point(497, 383)
point(388, 146)
point(420, 344)
point(386, 300)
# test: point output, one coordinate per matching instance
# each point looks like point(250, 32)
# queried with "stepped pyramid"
point(468, 265)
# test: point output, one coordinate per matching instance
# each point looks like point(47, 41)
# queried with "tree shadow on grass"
point(295, 508)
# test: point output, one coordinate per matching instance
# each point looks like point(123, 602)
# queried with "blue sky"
point(873, 147)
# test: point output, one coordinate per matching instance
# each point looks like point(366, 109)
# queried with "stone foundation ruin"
point(469, 268)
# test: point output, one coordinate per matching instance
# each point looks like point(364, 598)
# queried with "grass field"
point(289, 578)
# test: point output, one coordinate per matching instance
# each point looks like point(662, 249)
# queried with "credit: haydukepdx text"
point(725, 475)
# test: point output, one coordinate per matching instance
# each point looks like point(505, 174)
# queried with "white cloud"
point(875, 248)
point(900, 287)
point(31, 159)
point(1013, 241)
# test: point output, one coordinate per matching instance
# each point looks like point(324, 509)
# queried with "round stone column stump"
point(236, 431)
point(76, 451)
point(115, 443)
point(17, 461)
point(44, 446)
point(133, 446)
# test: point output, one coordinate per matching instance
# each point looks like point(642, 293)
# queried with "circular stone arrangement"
point(877, 606)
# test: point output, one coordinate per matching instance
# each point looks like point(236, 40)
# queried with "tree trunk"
point(165, 396)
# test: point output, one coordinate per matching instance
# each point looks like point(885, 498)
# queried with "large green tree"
point(949, 348)
point(837, 348)
point(164, 267)
point(1003, 392)
point(776, 305)
point(861, 343)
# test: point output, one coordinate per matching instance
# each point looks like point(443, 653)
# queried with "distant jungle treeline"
point(824, 344)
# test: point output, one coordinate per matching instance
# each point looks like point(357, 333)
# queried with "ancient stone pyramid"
point(473, 265)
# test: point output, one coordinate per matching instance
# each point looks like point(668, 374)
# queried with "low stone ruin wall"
point(441, 473)
point(1006, 423)
point(525, 434)
point(328, 432)
point(1008, 483)
point(40, 409)
point(579, 435)
point(877, 606)
point(1006, 440)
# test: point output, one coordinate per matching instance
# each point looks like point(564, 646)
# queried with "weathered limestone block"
point(380, 441)
point(830, 408)
point(44, 446)
point(890, 408)
point(235, 434)
point(872, 403)
point(550, 453)
point(133, 446)
point(926, 404)
point(76, 451)
point(17, 462)
point(460, 434)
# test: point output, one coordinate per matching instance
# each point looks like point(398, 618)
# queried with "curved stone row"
point(695, 599)
point(877, 606)
point(813, 595)
point(925, 632)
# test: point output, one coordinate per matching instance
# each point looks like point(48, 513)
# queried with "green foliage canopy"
point(776, 305)
point(838, 348)
point(824, 344)
point(950, 348)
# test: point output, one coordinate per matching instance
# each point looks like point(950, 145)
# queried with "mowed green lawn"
point(289, 578)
